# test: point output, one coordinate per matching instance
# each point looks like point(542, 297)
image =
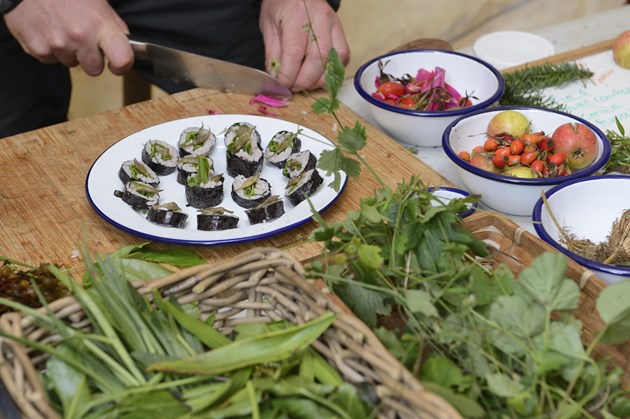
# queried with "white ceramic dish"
point(511, 195)
point(445, 194)
point(102, 181)
point(588, 207)
point(467, 74)
point(510, 48)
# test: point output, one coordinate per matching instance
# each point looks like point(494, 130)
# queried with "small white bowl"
point(587, 207)
point(505, 49)
point(507, 194)
point(467, 74)
point(445, 194)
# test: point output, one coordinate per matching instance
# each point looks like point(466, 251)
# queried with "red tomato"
point(391, 88)
point(499, 160)
point(538, 166)
point(556, 158)
point(516, 146)
point(407, 102)
point(529, 156)
point(464, 155)
point(491, 144)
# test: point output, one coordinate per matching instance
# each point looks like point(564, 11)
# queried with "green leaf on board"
point(503, 386)
point(613, 305)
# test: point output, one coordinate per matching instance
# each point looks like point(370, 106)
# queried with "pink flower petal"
point(274, 102)
point(213, 112)
point(265, 111)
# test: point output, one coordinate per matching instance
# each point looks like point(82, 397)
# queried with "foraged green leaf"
point(364, 303)
point(352, 139)
point(443, 371)
point(370, 256)
point(566, 339)
point(174, 256)
point(71, 385)
point(142, 270)
point(613, 305)
point(420, 301)
point(518, 321)
point(334, 73)
point(503, 386)
point(544, 281)
point(465, 405)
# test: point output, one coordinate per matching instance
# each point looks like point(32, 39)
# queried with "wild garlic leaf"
point(352, 139)
point(613, 305)
point(419, 301)
point(544, 281)
point(503, 386)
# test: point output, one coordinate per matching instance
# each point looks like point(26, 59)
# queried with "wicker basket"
point(258, 285)
point(516, 248)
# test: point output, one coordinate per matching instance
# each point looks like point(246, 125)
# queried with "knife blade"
point(201, 71)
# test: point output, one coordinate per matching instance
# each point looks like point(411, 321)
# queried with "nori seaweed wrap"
point(298, 163)
point(169, 214)
point(216, 219)
point(196, 141)
point(244, 153)
point(188, 166)
point(160, 156)
point(271, 209)
point(204, 193)
point(303, 186)
point(249, 192)
point(139, 195)
point(137, 170)
point(281, 146)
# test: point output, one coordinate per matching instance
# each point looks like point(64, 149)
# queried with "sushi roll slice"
point(303, 186)
point(196, 141)
point(271, 209)
point(204, 192)
point(216, 219)
point(281, 146)
point(249, 192)
point(169, 214)
point(137, 170)
point(139, 195)
point(244, 153)
point(187, 166)
point(298, 163)
point(160, 156)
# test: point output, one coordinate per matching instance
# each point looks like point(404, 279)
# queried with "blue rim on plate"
point(592, 168)
point(440, 114)
point(591, 264)
point(462, 194)
point(102, 180)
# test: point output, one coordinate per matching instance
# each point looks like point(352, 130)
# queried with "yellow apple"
point(621, 49)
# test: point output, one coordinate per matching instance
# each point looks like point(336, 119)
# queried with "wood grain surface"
point(44, 212)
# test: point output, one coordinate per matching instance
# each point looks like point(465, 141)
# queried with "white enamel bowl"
point(587, 207)
point(467, 74)
point(507, 194)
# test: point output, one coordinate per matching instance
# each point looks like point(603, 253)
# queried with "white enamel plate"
point(102, 180)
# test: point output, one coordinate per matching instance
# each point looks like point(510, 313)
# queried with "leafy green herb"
point(619, 160)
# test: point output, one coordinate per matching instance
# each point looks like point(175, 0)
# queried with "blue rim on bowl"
point(592, 168)
point(472, 206)
point(447, 113)
point(590, 264)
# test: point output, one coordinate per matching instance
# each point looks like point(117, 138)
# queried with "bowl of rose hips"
point(414, 95)
point(510, 155)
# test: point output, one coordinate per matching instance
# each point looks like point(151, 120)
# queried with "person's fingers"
point(294, 43)
point(118, 52)
point(312, 69)
point(340, 44)
point(273, 48)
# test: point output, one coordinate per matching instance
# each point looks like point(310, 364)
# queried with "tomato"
point(499, 160)
point(513, 159)
point(464, 155)
point(529, 156)
point(538, 166)
point(391, 88)
point(556, 158)
point(491, 144)
point(516, 146)
point(407, 102)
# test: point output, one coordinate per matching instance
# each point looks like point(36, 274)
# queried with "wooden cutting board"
point(46, 217)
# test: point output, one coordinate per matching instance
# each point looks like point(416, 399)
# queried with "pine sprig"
point(525, 86)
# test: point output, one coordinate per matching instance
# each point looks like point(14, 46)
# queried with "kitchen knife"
point(188, 68)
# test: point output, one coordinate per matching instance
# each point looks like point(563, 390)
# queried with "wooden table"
point(45, 215)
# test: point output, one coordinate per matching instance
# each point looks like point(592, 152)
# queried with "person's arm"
point(72, 32)
point(289, 40)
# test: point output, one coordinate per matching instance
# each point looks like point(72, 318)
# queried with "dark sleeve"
point(335, 4)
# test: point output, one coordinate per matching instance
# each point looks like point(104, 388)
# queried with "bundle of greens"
point(494, 345)
point(619, 150)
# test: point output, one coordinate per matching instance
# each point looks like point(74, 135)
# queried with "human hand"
point(72, 32)
point(289, 40)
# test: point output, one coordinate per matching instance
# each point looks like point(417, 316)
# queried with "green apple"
point(511, 122)
point(621, 49)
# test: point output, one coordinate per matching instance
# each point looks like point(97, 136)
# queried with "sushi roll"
point(160, 156)
point(271, 209)
point(169, 214)
point(298, 163)
point(249, 192)
point(303, 186)
point(187, 166)
point(196, 141)
point(139, 195)
point(204, 192)
point(244, 153)
point(281, 146)
point(136, 170)
point(216, 219)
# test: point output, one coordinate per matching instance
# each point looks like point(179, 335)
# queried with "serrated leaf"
point(370, 256)
point(503, 386)
point(613, 305)
point(565, 339)
point(421, 302)
point(322, 105)
point(334, 73)
point(366, 304)
point(352, 139)
point(443, 371)
point(544, 281)
point(518, 321)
